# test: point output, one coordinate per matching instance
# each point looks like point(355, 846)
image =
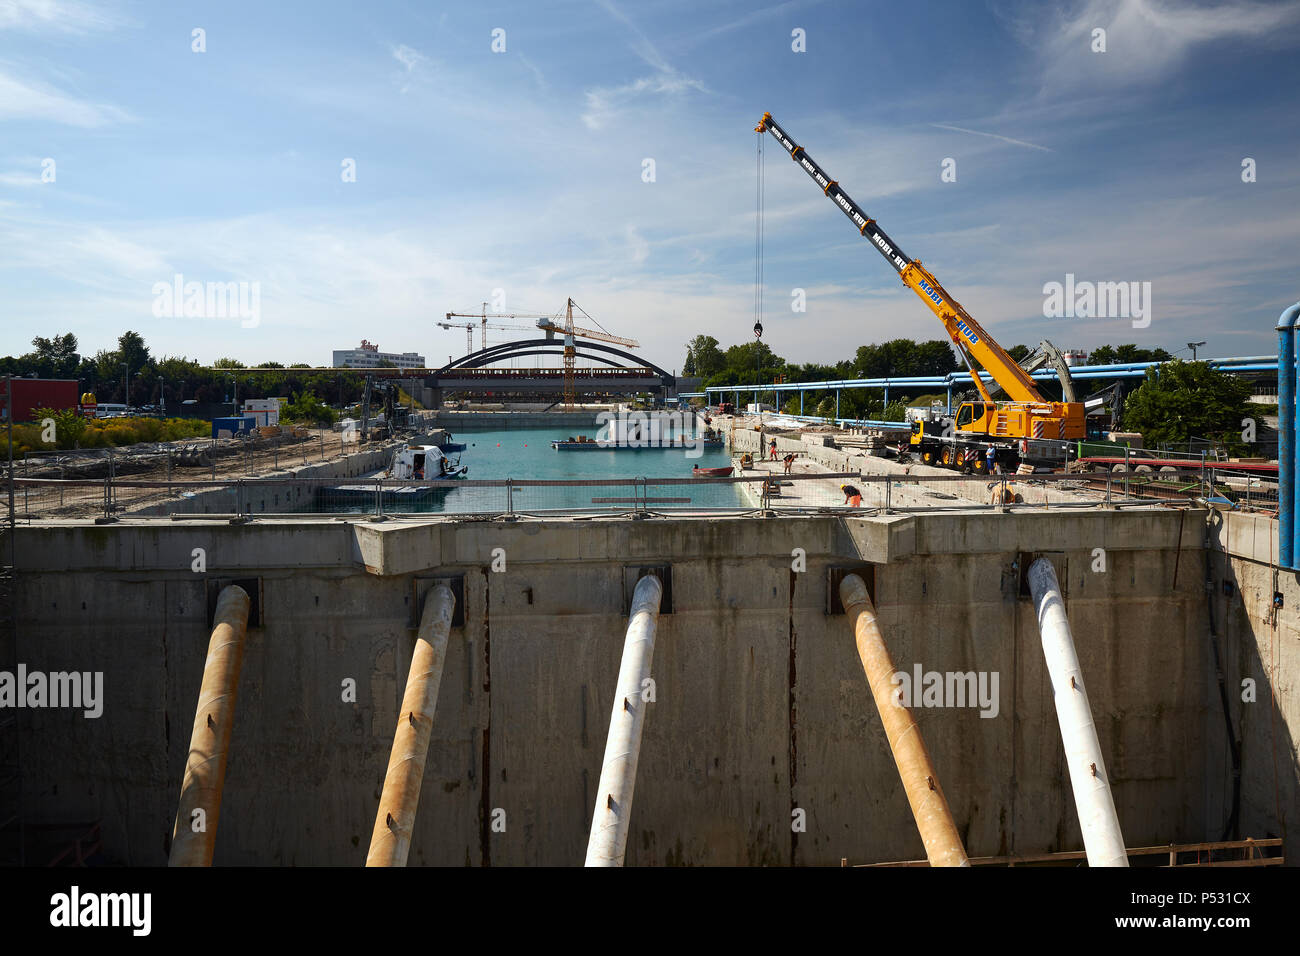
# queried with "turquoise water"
point(526, 453)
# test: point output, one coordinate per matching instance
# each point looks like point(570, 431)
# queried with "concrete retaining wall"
point(761, 705)
point(258, 498)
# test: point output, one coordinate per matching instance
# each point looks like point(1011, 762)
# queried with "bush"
point(306, 407)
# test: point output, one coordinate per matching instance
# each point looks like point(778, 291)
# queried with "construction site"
point(999, 633)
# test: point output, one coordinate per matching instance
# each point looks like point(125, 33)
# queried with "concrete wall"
point(761, 706)
point(1260, 647)
point(457, 420)
point(261, 498)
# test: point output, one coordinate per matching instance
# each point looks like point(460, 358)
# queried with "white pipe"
point(609, 823)
point(1092, 797)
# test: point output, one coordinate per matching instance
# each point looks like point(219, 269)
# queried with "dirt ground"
point(186, 460)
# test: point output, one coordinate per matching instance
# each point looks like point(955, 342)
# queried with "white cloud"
point(64, 16)
point(408, 57)
point(20, 179)
point(605, 103)
point(1005, 139)
point(32, 99)
point(1145, 39)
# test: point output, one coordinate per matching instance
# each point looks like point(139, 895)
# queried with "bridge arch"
point(552, 346)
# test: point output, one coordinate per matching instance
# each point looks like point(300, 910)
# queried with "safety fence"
point(114, 498)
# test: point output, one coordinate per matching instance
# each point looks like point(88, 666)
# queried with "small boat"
point(412, 463)
point(699, 472)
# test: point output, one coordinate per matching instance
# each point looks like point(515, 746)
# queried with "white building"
point(367, 355)
point(265, 410)
point(1075, 357)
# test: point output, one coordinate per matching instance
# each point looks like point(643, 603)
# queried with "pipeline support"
point(609, 825)
point(1093, 800)
point(1286, 433)
point(194, 833)
point(943, 846)
point(390, 842)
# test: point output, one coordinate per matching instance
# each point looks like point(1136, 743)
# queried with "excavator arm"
point(967, 334)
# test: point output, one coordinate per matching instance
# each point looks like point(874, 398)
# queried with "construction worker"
point(852, 496)
point(788, 460)
point(771, 450)
point(991, 457)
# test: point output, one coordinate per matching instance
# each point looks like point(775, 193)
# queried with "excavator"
point(1028, 428)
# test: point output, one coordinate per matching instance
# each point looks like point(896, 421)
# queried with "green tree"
point(61, 354)
point(69, 424)
point(903, 357)
point(1179, 401)
point(703, 352)
point(1110, 355)
point(133, 351)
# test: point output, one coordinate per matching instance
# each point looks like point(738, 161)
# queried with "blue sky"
point(522, 170)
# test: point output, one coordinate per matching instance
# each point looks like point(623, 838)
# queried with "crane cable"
point(758, 230)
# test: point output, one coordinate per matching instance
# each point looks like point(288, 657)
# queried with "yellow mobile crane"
point(1027, 426)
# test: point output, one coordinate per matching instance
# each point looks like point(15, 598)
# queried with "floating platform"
point(708, 444)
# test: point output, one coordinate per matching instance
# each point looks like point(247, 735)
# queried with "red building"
point(32, 393)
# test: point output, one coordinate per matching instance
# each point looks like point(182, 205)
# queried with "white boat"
point(411, 463)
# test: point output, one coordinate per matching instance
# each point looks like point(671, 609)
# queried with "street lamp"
point(1192, 346)
point(126, 386)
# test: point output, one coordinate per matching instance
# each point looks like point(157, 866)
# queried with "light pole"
point(126, 386)
point(1192, 346)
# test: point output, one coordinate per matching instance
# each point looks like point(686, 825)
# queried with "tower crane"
point(1009, 427)
point(483, 321)
point(570, 351)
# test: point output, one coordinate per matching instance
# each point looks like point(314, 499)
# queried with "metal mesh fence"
point(129, 497)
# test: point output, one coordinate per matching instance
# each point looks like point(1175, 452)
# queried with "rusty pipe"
point(390, 843)
point(195, 831)
point(943, 844)
point(609, 824)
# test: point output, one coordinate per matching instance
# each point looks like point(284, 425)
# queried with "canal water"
point(526, 453)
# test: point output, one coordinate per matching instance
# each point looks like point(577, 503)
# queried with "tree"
point(688, 368)
point(703, 352)
point(1108, 355)
point(903, 357)
point(133, 351)
point(61, 354)
point(1180, 401)
point(1018, 352)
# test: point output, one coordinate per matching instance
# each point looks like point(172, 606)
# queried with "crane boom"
point(968, 335)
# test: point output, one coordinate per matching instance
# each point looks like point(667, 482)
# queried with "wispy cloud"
point(32, 99)
point(1005, 139)
point(605, 102)
point(409, 57)
point(19, 179)
point(534, 69)
point(61, 16)
point(1145, 39)
point(754, 16)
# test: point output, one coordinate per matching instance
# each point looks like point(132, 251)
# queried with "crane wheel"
point(946, 458)
point(927, 457)
point(980, 466)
